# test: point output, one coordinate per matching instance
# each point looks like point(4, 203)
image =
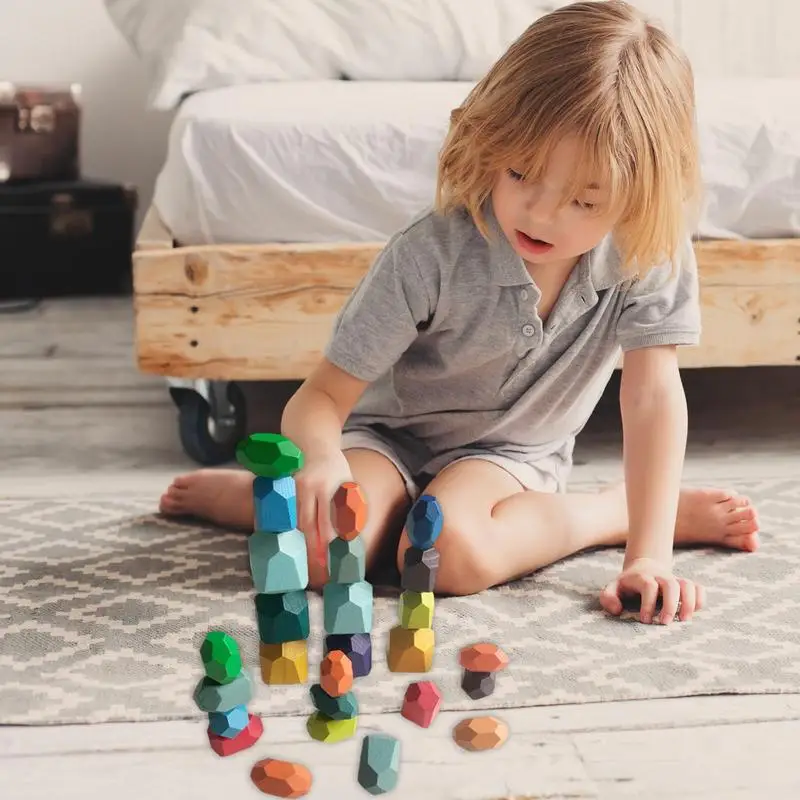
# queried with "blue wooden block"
point(347, 607)
point(275, 504)
point(228, 724)
point(278, 561)
point(347, 561)
point(424, 522)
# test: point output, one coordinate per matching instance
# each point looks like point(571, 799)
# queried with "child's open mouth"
point(535, 246)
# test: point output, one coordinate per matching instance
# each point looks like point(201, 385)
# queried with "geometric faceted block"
point(416, 609)
point(348, 511)
point(336, 673)
point(410, 650)
point(275, 504)
point(284, 663)
point(379, 765)
point(282, 617)
point(281, 778)
point(228, 723)
point(478, 685)
point(221, 657)
point(483, 657)
point(480, 733)
point(340, 707)
point(347, 607)
point(247, 738)
point(421, 703)
point(356, 646)
point(269, 455)
point(324, 729)
point(347, 560)
point(420, 568)
point(210, 696)
point(278, 561)
point(424, 522)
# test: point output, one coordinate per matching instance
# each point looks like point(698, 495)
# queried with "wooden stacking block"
point(275, 501)
point(281, 778)
point(278, 561)
point(478, 685)
point(480, 733)
point(210, 696)
point(269, 455)
point(347, 560)
point(421, 703)
point(410, 650)
point(416, 609)
point(221, 657)
point(379, 764)
point(228, 723)
point(343, 706)
point(284, 663)
point(420, 568)
point(247, 738)
point(348, 510)
point(483, 657)
point(424, 522)
point(347, 607)
point(336, 673)
point(324, 729)
point(356, 646)
point(282, 617)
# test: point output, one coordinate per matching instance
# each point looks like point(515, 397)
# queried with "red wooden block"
point(421, 703)
point(247, 738)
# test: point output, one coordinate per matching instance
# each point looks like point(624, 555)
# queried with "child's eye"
point(516, 176)
point(585, 206)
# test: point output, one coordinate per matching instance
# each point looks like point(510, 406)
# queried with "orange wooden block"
point(336, 673)
point(281, 778)
point(483, 657)
point(480, 733)
point(348, 510)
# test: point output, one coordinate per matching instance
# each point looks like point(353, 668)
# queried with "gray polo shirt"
point(445, 327)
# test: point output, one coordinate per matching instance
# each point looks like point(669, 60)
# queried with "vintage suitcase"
point(70, 238)
point(39, 133)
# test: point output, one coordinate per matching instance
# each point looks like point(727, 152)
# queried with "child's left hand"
point(645, 577)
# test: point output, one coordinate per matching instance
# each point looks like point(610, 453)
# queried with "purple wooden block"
point(356, 646)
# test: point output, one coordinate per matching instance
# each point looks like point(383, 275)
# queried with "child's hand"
point(645, 577)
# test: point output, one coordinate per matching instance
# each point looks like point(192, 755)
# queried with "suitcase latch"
point(66, 220)
point(36, 119)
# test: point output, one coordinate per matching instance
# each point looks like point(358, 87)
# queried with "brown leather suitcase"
point(39, 133)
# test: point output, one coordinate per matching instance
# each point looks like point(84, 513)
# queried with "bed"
point(277, 194)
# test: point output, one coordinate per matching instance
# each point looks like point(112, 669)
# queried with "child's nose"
point(541, 208)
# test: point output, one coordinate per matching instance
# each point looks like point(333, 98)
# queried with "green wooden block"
point(379, 764)
point(269, 455)
point(416, 609)
point(278, 561)
point(347, 607)
point(347, 561)
point(330, 731)
point(221, 657)
point(343, 707)
point(282, 617)
point(210, 696)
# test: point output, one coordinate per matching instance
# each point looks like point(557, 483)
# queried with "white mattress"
point(336, 161)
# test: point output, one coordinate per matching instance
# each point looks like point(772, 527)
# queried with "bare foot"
point(222, 496)
point(714, 516)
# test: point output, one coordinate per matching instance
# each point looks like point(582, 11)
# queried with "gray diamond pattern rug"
point(103, 606)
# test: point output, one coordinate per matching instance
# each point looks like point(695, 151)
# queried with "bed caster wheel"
point(210, 428)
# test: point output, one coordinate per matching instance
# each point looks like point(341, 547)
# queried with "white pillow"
point(192, 45)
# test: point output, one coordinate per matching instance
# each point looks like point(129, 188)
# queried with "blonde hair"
point(604, 72)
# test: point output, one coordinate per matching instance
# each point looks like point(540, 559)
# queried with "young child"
point(474, 350)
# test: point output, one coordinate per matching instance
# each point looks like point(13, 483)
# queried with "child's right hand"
point(316, 484)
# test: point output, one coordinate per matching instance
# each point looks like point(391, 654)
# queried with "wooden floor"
point(77, 418)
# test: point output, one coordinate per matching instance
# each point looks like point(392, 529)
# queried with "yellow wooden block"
point(284, 663)
point(410, 650)
point(416, 609)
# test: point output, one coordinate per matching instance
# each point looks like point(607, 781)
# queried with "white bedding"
point(334, 161)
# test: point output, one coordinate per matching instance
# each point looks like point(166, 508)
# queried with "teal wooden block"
point(347, 607)
point(282, 617)
point(275, 501)
point(211, 696)
point(228, 724)
point(278, 561)
point(379, 764)
point(343, 707)
point(347, 561)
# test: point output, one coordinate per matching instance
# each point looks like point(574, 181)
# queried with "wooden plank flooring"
point(77, 418)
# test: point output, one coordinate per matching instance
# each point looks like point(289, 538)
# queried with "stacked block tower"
point(411, 643)
point(224, 694)
point(278, 558)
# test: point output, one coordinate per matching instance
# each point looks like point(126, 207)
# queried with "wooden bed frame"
point(264, 312)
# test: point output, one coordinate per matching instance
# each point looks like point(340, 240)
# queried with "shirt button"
point(524, 294)
point(528, 330)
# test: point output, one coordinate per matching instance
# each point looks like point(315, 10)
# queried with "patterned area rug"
point(103, 607)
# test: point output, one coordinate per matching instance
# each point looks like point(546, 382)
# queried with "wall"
point(66, 41)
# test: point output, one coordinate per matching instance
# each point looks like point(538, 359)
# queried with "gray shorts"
point(417, 467)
